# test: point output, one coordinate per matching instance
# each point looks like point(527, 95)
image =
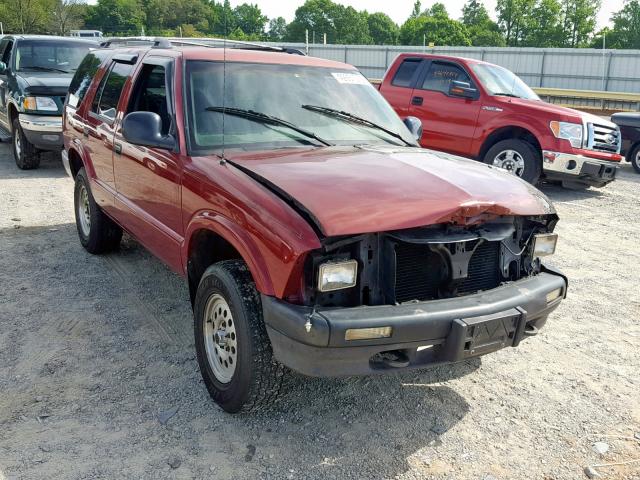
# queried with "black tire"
point(27, 156)
point(257, 377)
point(100, 234)
point(634, 158)
point(531, 157)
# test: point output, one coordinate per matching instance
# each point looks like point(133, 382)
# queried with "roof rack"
point(209, 42)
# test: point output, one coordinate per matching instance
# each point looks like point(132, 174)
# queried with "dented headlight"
point(544, 244)
point(337, 275)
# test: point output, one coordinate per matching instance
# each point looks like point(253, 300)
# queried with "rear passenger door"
point(448, 122)
point(99, 127)
point(148, 179)
point(398, 91)
point(6, 46)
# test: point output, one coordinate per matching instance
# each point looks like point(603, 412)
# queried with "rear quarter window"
point(84, 76)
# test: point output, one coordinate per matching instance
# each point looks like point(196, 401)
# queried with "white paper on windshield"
point(350, 78)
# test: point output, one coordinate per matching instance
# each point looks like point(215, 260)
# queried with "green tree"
point(25, 16)
point(249, 19)
point(277, 29)
point(417, 9)
point(437, 10)
point(483, 32)
point(315, 16)
point(626, 28)
point(382, 29)
point(351, 26)
point(579, 21)
point(171, 14)
point(514, 19)
point(66, 15)
point(546, 30)
point(440, 31)
point(116, 16)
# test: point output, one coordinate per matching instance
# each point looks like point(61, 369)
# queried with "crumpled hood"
point(373, 189)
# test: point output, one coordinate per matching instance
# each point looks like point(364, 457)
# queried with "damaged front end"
point(429, 263)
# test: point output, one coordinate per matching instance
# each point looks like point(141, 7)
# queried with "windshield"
point(500, 81)
point(59, 56)
point(282, 91)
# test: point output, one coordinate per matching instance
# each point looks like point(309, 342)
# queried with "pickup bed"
point(485, 112)
point(313, 231)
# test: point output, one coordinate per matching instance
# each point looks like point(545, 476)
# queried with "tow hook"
point(395, 359)
point(531, 331)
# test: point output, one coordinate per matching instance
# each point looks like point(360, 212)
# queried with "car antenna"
point(223, 160)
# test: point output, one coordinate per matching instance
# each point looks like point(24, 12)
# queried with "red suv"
point(313, 232)
point(485, 112)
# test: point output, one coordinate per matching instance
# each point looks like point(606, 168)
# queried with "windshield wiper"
point(268, 120)
point(350, 117)
point(45, 69)
point(505, 94)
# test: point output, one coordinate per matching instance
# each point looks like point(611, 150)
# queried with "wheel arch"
point(506, 133)
point(12, 113)
point(211, 238)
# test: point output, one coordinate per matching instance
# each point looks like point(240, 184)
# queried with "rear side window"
point(440, 76)
point(405, 73)
point(83, 77)
point(105, 103)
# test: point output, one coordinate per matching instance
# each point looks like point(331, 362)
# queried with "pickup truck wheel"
point(634, 158)
point(27, 156)
point(517, 157)
point(233, 348)
point(97, 232)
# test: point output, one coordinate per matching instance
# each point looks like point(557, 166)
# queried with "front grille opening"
point(423, 274)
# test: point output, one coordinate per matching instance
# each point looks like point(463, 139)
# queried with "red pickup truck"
point(485, 112)
point(313, 231)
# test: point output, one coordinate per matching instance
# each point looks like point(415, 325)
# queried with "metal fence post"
point(345, 53)
point(606, 81)
point(544, 56)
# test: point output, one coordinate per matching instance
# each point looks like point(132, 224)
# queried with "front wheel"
point(233, 348)
point(634, 158)
point(517, 157)
point(27, 156)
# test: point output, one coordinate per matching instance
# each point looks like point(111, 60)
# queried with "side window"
point(6, 52)
point(150, 94)
point(84, 75)
point(405, 72)
point(105, 103)
point(440, 76)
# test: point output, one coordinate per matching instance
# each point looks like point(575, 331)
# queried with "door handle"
point(417, 101)
point(117, 148)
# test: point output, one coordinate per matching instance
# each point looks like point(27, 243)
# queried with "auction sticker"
point(350, 78)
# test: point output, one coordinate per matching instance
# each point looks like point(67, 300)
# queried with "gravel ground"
point(96, 354)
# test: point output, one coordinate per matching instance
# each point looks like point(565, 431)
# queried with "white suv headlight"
point(45, 104)
point(573, 132)
point(338, 275)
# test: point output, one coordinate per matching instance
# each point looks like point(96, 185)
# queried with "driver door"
point(6, 45)
point(148, 179)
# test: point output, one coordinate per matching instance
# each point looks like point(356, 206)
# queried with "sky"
point(399, 10)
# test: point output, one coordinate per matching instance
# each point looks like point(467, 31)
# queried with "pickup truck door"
point(98, 130)
point(398, 84)
point(6, 45)
point(448, 122)
point(148, 179)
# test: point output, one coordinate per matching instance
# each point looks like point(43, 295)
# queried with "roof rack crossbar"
point(209, 42)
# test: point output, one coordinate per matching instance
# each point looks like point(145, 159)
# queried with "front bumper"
point(424, 333)
point(578, 168)
point(43, 131)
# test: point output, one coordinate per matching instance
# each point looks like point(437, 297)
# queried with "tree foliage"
point(382, 29)
point(437, 29)
point(626, 28)
point(483, 32)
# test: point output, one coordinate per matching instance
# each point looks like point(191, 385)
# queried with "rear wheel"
point(634, 158)
point(97, 232)
point(27, 156)
point(233, 348)
point(516, 156)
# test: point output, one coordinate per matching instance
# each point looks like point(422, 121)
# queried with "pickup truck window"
point(105, 103)
point(60, 56)
point(83, 77)
point(440, 76)
point(282, 91)
point(150, 94)
point(6, 52)
point(406, 71)
point(500, 81)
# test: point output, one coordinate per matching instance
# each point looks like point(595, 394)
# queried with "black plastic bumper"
point(423, 333)
point(45, 140)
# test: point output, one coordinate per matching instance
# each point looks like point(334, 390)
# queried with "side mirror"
point(145, 129)
point(462, 89)
point(3, 68)
point(415, 127)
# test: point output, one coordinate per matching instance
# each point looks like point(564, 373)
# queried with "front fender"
point(238, 238)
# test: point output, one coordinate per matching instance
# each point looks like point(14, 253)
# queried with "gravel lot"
point(97, 352)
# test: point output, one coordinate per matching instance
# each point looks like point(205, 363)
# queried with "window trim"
point(425, 72)
point(416, 75)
